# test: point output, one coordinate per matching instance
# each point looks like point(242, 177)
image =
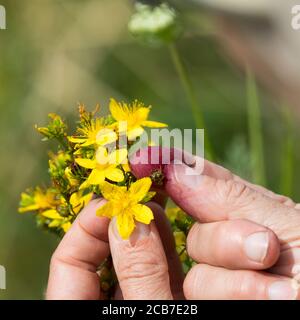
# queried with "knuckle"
point(191, 241)
point(193, 282)
point(188, 284)
point(234, 192)
point(244, 285)
point(55, 262)
point(287, 201)
point(297, 206)
point(52, 264)
point(142, 264)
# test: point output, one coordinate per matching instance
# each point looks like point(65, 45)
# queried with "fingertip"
point(224, 284)
point(273, 250)
point(140, 262)
point(74, 263)
point(93, 224)
point(260, 244)
point(233, 244)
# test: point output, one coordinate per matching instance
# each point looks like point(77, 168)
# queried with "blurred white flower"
point(154, 25)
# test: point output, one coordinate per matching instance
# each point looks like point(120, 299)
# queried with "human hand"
point(147, 265)
point(244, 228)
point(246, 239)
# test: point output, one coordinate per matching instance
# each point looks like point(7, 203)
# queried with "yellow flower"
point(71, 177)
point(40, 200)
point(173, 213)
point(126, 167)
point(78, 201)
point(180, 241)
point(125, 205)
point(57, 220)
point(134, 117)
point(94, 133)
point(104, 166)
point(180, 238)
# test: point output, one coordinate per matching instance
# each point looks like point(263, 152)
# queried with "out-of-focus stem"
point(255, 131)
point(192, 97)
point(287, 159)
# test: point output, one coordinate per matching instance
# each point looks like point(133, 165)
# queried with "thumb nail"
point(256, 246)
point(284, 290)
point(187, 176)
point(140, 232)
point(114, 228)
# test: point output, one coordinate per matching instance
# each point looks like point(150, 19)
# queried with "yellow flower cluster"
point(53, 206)
point(181, 223)
point(94, 162)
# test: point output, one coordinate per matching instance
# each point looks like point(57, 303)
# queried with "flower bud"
point(154, 25)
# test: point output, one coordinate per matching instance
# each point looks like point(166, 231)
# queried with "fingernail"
point(114, 228)
point(256, 246)
point(283, 290)
point(296, 272)
point(140, 232)
point(187, 176)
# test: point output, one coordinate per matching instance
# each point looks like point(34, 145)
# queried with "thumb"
point(140, 263)
point(209, 198)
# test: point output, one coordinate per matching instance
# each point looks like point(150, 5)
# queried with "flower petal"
point(117, 111)
point(52, 214)
point(84, 185)
point(142, 213)
point(96, 177)
point(142, 113)
point(112, 192)
point(118, 157)
point(126, 167)
point(54, 224)
point(78, 201)
point(87, 198)
point(114, 174)
point(153, 124)
point(139, 189)
point(89, 142)
point(107, 210)
point(86, 163)
point(132, 134)
point(102, 156)
point(66, 226)
point(77, 139)
point(32, 207)
point(106, 136)
point(125, 224)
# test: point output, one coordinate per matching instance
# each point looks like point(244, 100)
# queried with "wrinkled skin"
point(246, 241)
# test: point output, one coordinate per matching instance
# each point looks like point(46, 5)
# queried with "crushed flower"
point(125, 204)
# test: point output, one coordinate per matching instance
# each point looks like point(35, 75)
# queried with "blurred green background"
point(57, 53)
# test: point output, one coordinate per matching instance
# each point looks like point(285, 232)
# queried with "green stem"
point(255, 131)
point(191, 96)
point(287, 160)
